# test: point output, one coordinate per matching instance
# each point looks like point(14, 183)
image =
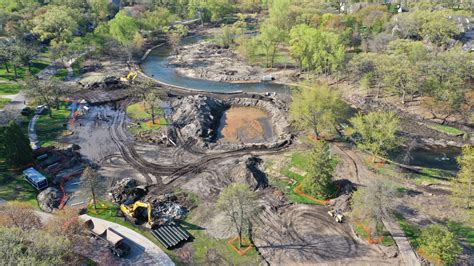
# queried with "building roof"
point(34, 175)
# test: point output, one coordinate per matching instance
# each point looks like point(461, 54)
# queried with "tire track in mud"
point(173, 172)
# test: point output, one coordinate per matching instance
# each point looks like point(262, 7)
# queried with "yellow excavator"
point(131, 76)
point(131, 211)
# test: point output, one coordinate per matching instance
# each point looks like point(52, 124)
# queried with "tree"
point(47, 92)
point(316, 108)
point(36, 247)
point(58, 23)
point(318, 181)
point(15, 145)
point(226, 36)
point(90, 181)
point(19, 215)
point(376, 132)
point(124, 29)
point(270, 37)
point(371, 204)
point(6, 54)
point(174, 37)
point(315, 49)
point(463, 185)
point(157, 20)
point(237, 202)
point(440, 31)
point(147, 93)
point(437, 241)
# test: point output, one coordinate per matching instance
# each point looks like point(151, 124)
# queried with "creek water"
point(156, 65)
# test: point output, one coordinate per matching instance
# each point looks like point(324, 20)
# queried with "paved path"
point(358, 173)
point(143, 251)
point(32, 133)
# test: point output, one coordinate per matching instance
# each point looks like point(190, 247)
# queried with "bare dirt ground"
point(205, 60)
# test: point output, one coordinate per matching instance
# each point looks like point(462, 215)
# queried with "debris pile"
point(127, 189)
point(345, 188)
point(49, 199)
point(166, 208)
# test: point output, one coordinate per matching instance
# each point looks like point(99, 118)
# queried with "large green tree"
point(58, 23)
point(315, 49)
point(270, 38)
point(15, 146)
point(316, 108)
point(318, 181)
point(376, 132)
point(124, 29)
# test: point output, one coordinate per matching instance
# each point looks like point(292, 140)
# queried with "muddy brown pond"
point(245, 124)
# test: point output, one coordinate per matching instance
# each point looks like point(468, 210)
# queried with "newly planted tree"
point(238, 203)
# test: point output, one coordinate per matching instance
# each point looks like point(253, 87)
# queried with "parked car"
point(26, 111)
point(41, 110)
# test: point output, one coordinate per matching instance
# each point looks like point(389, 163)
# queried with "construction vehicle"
point(115, 242)
point(131, 76)
point(132, 211)
point(337, 215)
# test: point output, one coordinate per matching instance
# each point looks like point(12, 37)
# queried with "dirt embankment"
point(199, 117)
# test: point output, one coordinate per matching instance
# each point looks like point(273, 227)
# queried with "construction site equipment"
point(35, 178)
point(170, 235)
point(131, 76)
point(131, 211)
point(115, 242)
point(337, 215)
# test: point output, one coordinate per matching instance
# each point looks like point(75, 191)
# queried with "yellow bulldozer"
point(130, 77)
point(132, 211)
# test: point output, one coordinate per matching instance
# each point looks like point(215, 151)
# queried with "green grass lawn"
point(36, 67)
point(4, 102)
point(10, 88)
point(298, 160)
point(61, 73)
point(50, 129)
point(13, 187)
point(411, 231)
point(137, 112)
point(386, 240)
point(447, 130)
point(463, 232)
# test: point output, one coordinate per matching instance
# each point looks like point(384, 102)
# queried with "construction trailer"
point(35, 178)
point(115, 242)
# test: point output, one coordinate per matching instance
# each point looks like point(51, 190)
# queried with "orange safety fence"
point(65, 196)
point(298, 191)
point(240, 252)
point(432, 259)
point(369, 234)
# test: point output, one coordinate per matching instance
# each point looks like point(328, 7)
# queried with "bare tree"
point(373, 203)
point(90, 181)
point(147, 93)
point(47, 92)
point(19, 215)
point(237, 202)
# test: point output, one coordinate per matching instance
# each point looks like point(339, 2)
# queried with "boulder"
point(49, 199)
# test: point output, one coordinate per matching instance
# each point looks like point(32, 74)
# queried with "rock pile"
point(49, 199)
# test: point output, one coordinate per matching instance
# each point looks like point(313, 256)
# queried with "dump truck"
point(115, 242)
point(132, 211)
